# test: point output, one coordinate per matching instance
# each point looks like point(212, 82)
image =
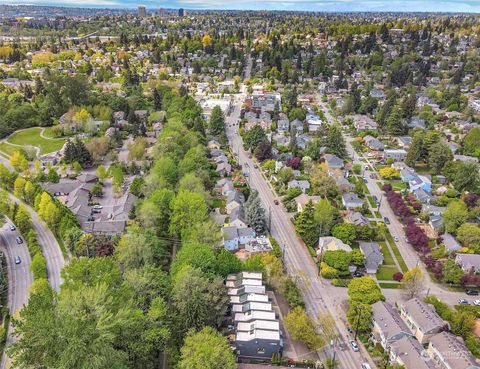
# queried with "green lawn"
point(372, 202)
point(385, 273)
point(31, 137)
point(398, 186)
point(396, 252)
point(387, 256)
point(7, 150)
point(390, 285)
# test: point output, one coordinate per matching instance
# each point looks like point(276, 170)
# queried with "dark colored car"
point(472, 292)
point(275, 202)
point(386, 220)
point(19, 240)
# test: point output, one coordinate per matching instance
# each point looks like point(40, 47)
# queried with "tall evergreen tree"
point(217, 121)
point(335, 141)
point(306, 225)
point(255, 213)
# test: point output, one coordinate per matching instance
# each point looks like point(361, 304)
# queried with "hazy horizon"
point(438, 6)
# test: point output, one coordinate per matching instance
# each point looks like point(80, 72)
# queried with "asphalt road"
point(19, 276)
point(319, 298)
point(396, 229)
point(50, 247)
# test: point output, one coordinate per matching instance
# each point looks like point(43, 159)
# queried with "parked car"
point(358, 274)
point(386, 220)
point(375, 198)
point(354, 346)
point(19, 240)
point(255, 166)
point(476, 302)
point(97, 206)
point(275, 202)
point(96, 211)
point(18, 260)
point(12, 227)
point(366, 366)
point(395, 238)
point(350, 330)
point(472, 292)
point(365, 180)
point(463, 302)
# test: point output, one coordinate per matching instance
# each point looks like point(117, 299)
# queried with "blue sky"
point(471, 6)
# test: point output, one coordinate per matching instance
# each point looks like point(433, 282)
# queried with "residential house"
point(303, 199)
point(363, 123)
point(416, 122)
point(423, 196)
point(451, 244)
point(343, 184)
point(235, 199)
point(351, 200)
point(395, 154)
point(224, 186)
point(314, 122)
point(283, 126)
point(332, 244)
point(237, 218)
point(420, 181)
point(303, 185)
point(303, 140)
point(356, 218)
point(404, 142)
point(422, 319)
point(297, 125)
point(373, 143)
point(468, 262)
point(376, 93)
point(256, 328)
point(333, 161)
point(213, 144)
point(387, 325)
point(224, 169)
point(409, 353)
point(373, 256)
point(407, 174)
point(233, 237)
point(449, 352)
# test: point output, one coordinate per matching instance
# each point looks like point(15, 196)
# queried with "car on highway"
point(463, 302)
point(476, 302)
point(12, 227)
point(19, 240)
point(471, 292)
point(354, 346)
point(386, 220)
point(18, 260)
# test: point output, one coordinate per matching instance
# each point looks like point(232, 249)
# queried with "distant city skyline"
point(463, 6)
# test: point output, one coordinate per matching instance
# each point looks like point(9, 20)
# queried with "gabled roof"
point(388, 320)
point(412, 354)
point(373, 255)
point(423, 315)
point(444, 343)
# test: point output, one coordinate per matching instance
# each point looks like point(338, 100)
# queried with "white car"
point(476, 302)
point(97, 207)
point(395, 238)
point(354, 346)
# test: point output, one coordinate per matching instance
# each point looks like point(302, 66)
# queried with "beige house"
point(303, 199)
point(422, 319)
point(409, 353)
point(332, 244)
point(449, 352)
point(387, 325)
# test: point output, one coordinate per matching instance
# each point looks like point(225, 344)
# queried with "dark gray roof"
point(373, 255)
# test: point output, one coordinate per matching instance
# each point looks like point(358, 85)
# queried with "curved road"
point(50, 247)
point(19, 276)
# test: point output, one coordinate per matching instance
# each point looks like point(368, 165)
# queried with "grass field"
point(385, 273)
point(396, 252)
point(31, 137)
point(390, 285)
point(7, 150)
point(387, 256)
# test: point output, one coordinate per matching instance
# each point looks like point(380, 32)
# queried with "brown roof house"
point(422, 319)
